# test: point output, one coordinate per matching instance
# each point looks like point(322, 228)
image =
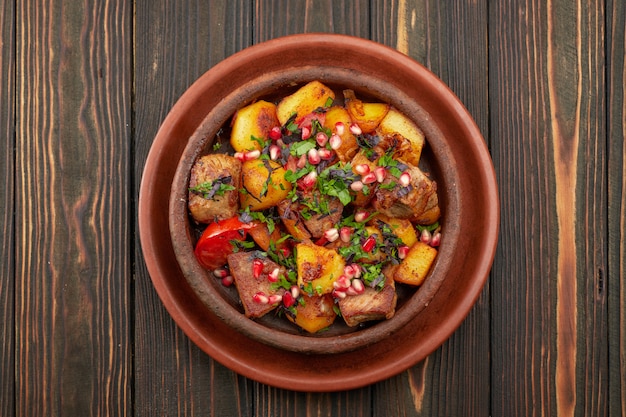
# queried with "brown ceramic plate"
point(472, 191)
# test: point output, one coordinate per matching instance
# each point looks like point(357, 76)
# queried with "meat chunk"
point(213, 188)
point(417, 201)
point(372, 304)
point(320, 213)
point(252, 286)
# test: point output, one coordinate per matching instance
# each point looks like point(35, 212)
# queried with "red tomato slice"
point(215, 243)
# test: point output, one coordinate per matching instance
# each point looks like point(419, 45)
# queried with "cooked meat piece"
point(242, 267)
point(319, 213)
point(371, 305)
point(213, 188)
point(289, 215)
point(410, 202)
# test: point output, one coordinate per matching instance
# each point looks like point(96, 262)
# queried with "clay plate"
point(346, 360)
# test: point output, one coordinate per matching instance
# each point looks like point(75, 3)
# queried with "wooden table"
point(84, 87)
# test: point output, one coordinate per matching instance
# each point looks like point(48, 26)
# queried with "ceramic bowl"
point(455, 155)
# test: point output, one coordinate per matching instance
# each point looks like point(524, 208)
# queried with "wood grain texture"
point(549, 339)
point(176, 42)
point(614, 276)
point(72, 207)
point(428, 31)
point(7, 226)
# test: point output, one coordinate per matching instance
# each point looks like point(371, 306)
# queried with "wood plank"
point(549, 334)
point(431, 33)
point(72, 207)
point(175, 43)
point(7, 170)
point(614, 275)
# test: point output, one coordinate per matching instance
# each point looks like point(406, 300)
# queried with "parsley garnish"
point(211, 189)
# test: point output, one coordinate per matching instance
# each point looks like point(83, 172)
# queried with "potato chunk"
point(396, 122)
point(349, 145)
point(256, 119)
point(314, 313)
point(366, 115)
point(264, 184)
point(304, 101)
point(318, 267)
point(415, 266)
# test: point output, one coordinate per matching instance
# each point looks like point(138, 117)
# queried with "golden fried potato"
point(318, 267)
point(366, 115)
point(415, 266)
point(396, 122)
point(304, 101)
point(262, 188)
point(256, 119)
point(349, 145)
point(315, 313)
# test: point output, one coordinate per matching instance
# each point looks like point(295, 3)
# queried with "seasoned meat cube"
point(213, 188)
point(320, 213)
point(251, 272)
point(407, 202)
point(372, 304)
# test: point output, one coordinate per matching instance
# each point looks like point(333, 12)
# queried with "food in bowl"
point(315, 207)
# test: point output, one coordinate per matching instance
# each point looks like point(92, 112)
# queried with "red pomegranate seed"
point(341, 283)
point(306, 132)
point(355, 129)
point(275, 133)
point(314, 156)
point(308, 181)
point(339, 128)
point(356, 186)
point(425, 236)
point(301, 162)
point(369, 244)
point(403, 251)
point(358, 286)
point(345, 234)
point(260, 298)
point(380, 173)
point(357, 270)
point(331, 234)
point(362, 169)
point(405, 179)
point(325, 154)
point(349, 271)
point(273, 276)
point(295, 291)
point(252, 155)
point(288, 299)
point(338, 294)
point(240, 156)
point(321, 138)
point(257, 267)
point(274, 152)
point(361, 216)
point(436, 240)
point(368, 178)
point(335, 142)
point(227, 281)
point(274, 299)
point(220, 273)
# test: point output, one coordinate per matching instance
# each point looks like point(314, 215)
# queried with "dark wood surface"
point(84, 86)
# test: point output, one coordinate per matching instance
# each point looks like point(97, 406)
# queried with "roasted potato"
point(396, 122)
point(305, 100)
point(262, 187)
point(349, 145)
point(415, 266)
point(318, 267)
point(256, 119)
point(366, 115)
point(314, 313)
point(402, 228)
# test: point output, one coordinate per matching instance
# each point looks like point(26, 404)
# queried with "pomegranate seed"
point(322, 139)
point(335, 141)
point(257, 267)
point(355, 129)
point(369, 244)
point(331, 234)
point(362, 169)
point(288, 299)
point(403, 251)
point(351, 291)
point(339, 128)
point(308, 181)
point(274, 152)
point(425, 236)
point(436, 240)
point(301, 162)
point(306, 132)
point(358, 286)
point(361, 216)
point(274, 299)
point(342, 283)
point(295, 291)
point(349, 271)
point(380, 173)
point(275, 133)
point(252, 155)
point(356, 186)
point(325, 154)
point(357, 270)
point(220, 273)
point(260, 298)
point(228, 280)
point(405, 179)
point(345, 234)
point(338, 294)
point(314, 156)
point(240, 156)
point(369, 178)
point(273, 276)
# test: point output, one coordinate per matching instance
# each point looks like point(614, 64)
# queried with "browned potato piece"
point(366, 115)
point(256, 119)
point(362, 198)
point(263, 189)
point(402, 228)
point(349, 145)
point(318, 267)
point(306, 99)
point(415, 266)
point(396, 122)
point(208, 201)
point(372, 304)
point(315, 313)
